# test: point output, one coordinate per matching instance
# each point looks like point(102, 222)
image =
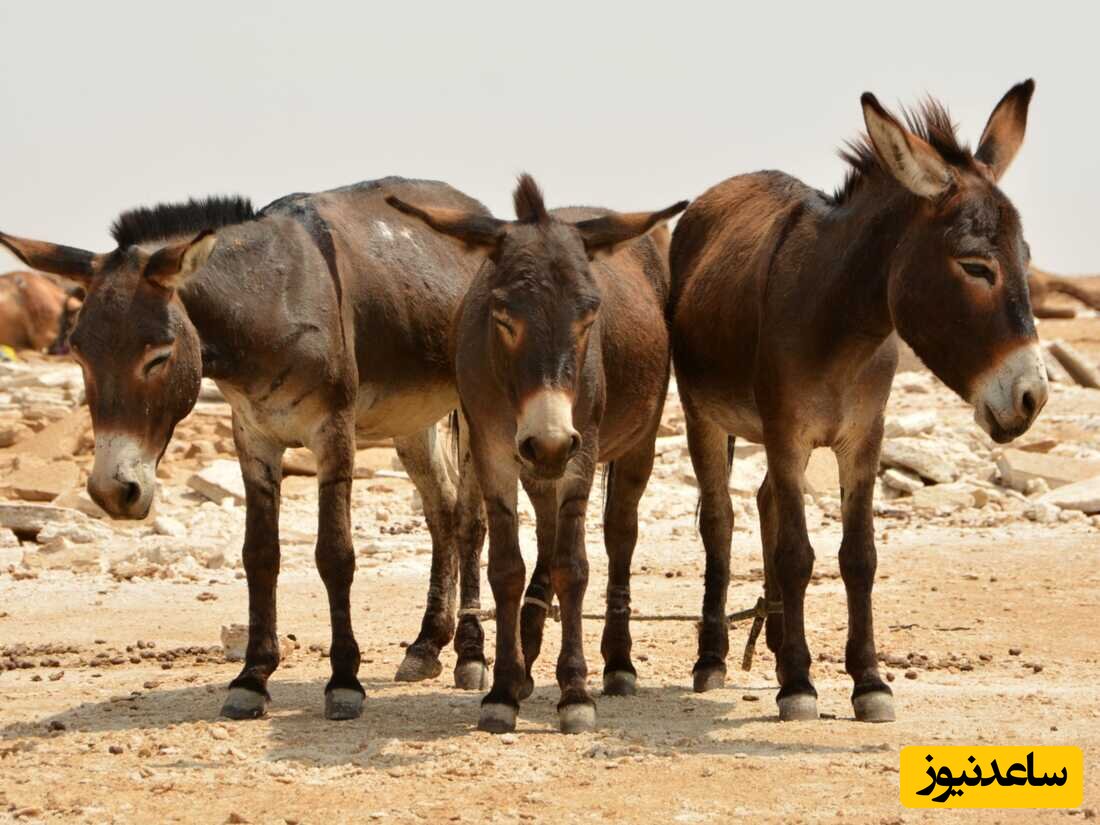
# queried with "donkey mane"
point(929, 121)
point(172, 220)
point(530, 207)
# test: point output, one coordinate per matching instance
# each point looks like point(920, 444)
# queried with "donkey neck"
point(861, 240)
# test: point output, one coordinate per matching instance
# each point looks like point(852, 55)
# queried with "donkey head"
point(140, 354)
point(958, 280)
point(543, 301)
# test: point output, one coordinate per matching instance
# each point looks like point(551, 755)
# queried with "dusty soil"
point(986, 620)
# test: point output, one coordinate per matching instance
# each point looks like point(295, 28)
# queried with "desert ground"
point(112, 668)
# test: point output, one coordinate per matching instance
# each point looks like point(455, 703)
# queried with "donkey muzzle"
point(1008, 398)
point(545, 438)
point(123, 478)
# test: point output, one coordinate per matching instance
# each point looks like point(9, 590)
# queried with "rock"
point(822, 475)
point(374, 460)
point(1081, 495)
point(1056, 373)
point(202, 448)
point(234, 641)
point(901, 480)
point(917, 382)
point(299, 462)
point(218, 481)
point(64, 554)
point(1018, 467)
point(921, 456)
point(8, 538)
point(61, 439)
point(951, 496)
point(168, 526)
point(910, 424)
point(1079, 368)
point(671, 444)
point(28, 519)
point(36, 479)
point(78, 499)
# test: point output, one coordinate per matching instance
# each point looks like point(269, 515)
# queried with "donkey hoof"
point(877, 706)
point(801, 707)
point(497, 718)
point(527, 688)
point(711, 678)
point(417, 668)
point(579, 718)
point(343, 703)
point(620, 683)
point(471, 675)
point(242, 703)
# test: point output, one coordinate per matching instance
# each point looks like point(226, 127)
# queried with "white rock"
point(910, 424)
point(921, 456)
point(168, 526)
point(1082, 495)
point(219, 481)
point(901, 480)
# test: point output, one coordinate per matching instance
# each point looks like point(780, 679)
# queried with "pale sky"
point(632, 105)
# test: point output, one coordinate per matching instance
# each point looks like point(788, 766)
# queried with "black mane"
point(930, 121)
point(171, 220)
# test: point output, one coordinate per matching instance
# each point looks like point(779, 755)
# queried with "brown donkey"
point(322, 318)
point(785, 311)
point(562, 361)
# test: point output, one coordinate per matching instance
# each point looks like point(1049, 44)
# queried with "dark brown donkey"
point(562, 361)
point(787, 304)
point(323, 318)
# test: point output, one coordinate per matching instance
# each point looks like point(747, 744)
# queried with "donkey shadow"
point(397, 723)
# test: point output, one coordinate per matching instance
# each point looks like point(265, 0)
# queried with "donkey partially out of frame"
point(787, 304)
point(562, 361)
point(323, 318)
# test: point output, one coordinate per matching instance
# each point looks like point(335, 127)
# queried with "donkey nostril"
point(131, 493)
point(1029, 404)
point(574, 444)
point(527, 449)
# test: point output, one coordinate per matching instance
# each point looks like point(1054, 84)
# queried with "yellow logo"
point(992, 777)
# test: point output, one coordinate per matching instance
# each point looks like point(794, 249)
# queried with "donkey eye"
point(156, 363)
point(979, 269)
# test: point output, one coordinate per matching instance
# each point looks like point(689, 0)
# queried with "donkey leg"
point(471, 672)
point(794, 561)
point(872, 698)
point(539, 595)
point(769, 535)
point(261, 467)
point(497, 475)
point(708, 445)
point(626, 479)
point(422, 456)
point(335, 556)
point(569, 577)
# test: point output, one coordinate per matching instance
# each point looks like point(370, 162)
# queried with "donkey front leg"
point(335, 555)
point(262, 468)
point(569, 576)
point(471, 671)
point(794, 562)
point(539, 596)
point(423, 459)
point(872, 698)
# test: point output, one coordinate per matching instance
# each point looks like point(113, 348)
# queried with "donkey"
point(786, 308)
point(562, 361)
point(323, 318)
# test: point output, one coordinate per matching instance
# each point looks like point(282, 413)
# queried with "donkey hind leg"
point(794, 562)
point(423, 459)
point(626, 479)
point(471, 671)
point(872, 698)
point(539, 595)
point(335, 451)
point(261, 467)
point(709, 445)
point(569, 577)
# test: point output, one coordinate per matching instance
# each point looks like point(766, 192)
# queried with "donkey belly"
point(385, 412)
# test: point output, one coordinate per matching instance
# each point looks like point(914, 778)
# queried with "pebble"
point(750, 697)
point(509, 739)
point(910, 674)
point(1014, 651)
point(115, 749)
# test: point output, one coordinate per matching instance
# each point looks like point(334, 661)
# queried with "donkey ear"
point(1004, 133)
point(602, 235)
point(476, 231)
point(171, 266)
point(910, 159)
point(75, 264)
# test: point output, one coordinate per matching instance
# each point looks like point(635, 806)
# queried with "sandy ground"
point(987, 623)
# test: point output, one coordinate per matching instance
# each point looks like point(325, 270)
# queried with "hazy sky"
point(629, 105)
